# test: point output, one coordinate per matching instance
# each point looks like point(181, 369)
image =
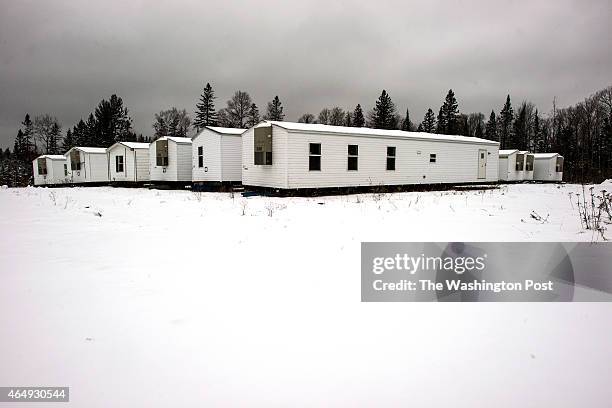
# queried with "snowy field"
point(145, 298)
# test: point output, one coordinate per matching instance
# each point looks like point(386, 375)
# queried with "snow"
point(136, 297)
point(132, 145)
point(51, 156)
point(185, 140)
point(344, 130)
point(226, 130)
point(88, 149)
point(506, 153)
point(545, 155)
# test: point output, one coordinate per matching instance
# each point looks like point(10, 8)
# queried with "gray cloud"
point(62, 57)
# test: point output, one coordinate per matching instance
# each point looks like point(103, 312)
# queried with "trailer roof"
point(185, 140)
point(507, 152)
point(226, 130)
point(368, 132)
point(52, 157)
point(89, 149)
point(545, 155)
point(132, 145)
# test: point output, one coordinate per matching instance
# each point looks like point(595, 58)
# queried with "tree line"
point(581, 133)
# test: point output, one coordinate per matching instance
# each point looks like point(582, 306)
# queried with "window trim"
point(393, 157)
point(200, 156)
point(433, 156)
point(313, 155)
point(352, 156)
point(117, 163)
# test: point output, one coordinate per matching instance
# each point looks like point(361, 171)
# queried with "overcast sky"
point(62, 57)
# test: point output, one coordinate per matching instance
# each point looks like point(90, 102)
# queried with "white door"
point(482, 164)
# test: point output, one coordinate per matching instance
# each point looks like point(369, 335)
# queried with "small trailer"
point(217, 156)
point(128, 162)
point(509, 165)
point(291, 156)
point(87, 165)
point(548, 167)
point(170, 160)
point(50, 169)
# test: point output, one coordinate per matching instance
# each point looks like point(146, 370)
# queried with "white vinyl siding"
point(179, 162)
point(55, 172)
point(135, 163)
point(274, 175)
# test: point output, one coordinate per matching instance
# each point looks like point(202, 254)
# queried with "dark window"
point(75, 160)
point(529, 163)
point(119, 164)
point(314, 158)
point(200, 156)
point(390, 157)
point(262, 145)
point(65, 170)
point(519, 162)
point(42, 166)
point(432, 158)
point(353, 157)
point(559, 166)
point(161, 149)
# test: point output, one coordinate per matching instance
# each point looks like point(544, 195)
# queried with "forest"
point(582, 133)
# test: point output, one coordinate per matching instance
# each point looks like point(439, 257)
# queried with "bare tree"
point(336, 116)
point(238, 109)
point(324, 116)
point(172, 122)
point(307, 118)
point(47, 130)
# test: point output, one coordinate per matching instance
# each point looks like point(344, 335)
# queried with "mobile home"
point(128, 162)
point(170, 160)
point(509, 165)
point(548, 167)
point(217, 155)
point(87, 165)
point(528, 168)
point(285, 155)
point(50, 169)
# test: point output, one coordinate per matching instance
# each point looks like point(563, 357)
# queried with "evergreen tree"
point(275, 110)
point(253, 116)
point(463, 127)
point(56, 135)
point(491, 128)
point(113, 122)
point(537, 133)
point(420, 128)
point(450, 115)
point(441, 122)
point(384, 114)
point(91, 136)
point(205, 109)
point(479, 132)
point(171, 122)
point(358, 118)
point(506, 117)
point(406, 123)
point(28, 136)
point(68, 142)
point(429, 122)
point(20, 148)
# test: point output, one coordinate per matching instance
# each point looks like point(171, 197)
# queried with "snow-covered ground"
point(145, 298)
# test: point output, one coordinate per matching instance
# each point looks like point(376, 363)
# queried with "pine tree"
point(420, 128)
point(537, 133)
point(20, 148)
point(112, 122)
point(358, 118)
point(91, 136)
point(406, 123)
point(479, 132)
point(253, 116)
point(441, 122)
point(68, 142)
point(28, 137)
point(384, 114)
point(506, 117)
point(205, 109)
point(463, 128)
point(450, 115)
point(429, 122)
point(491, 128)
point(275, 110)
point(55, 136)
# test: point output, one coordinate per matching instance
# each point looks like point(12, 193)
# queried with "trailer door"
point(482, 164)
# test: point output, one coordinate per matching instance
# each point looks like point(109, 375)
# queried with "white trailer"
point(128, 162)
point(508, 165)
point(217, 155)
point(87, 165)
point(286, 155)
point(170, 160)
point(50, 169)
point(548, 167)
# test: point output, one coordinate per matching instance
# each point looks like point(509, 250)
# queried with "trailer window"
point(42, 167)
point(161, 152)
point(200, 156)
point(559, 166)
point(314, 157)
point(520, 161)
point(432, 158)
point(119, 164)
point(262, 145)
point(353, 157)
point(529, 163)
point(390, 157)
point(75, 160)
point(65, 170)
